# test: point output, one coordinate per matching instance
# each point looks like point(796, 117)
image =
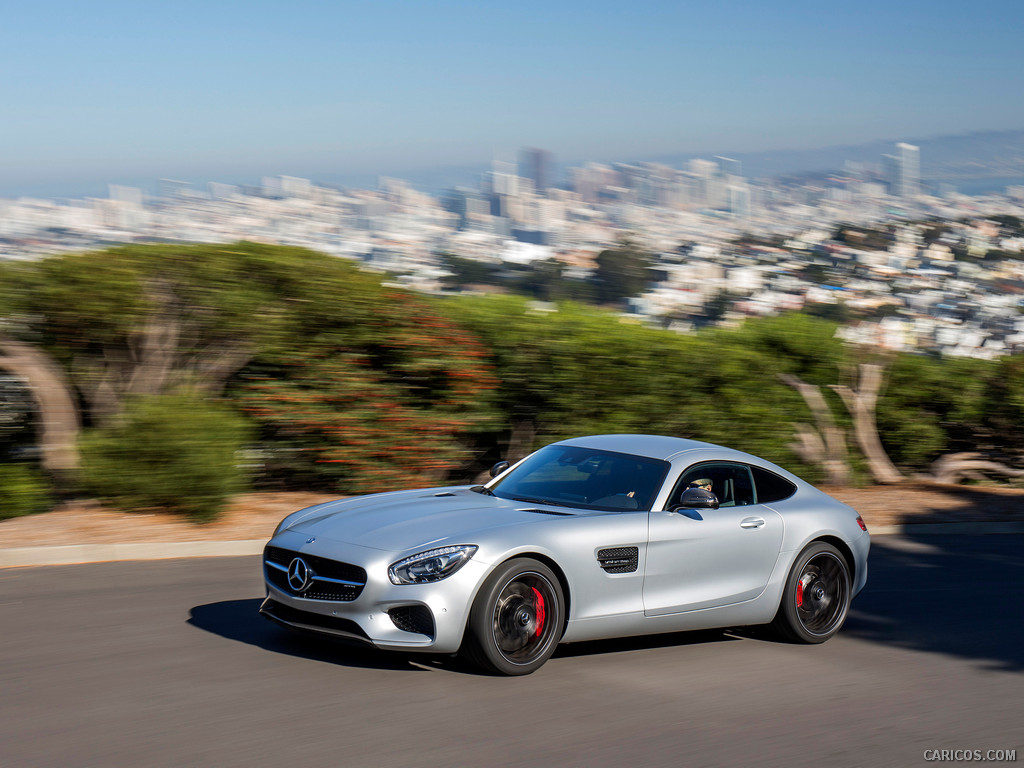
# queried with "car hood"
point(406, 520)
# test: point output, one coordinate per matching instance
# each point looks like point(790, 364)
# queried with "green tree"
point(932, 406)
point(141, 321)
point(463, 272)
point(622, 272)
point(580, 370)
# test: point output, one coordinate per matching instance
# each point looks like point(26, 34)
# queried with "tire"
point(816, 597)
point(516, 620)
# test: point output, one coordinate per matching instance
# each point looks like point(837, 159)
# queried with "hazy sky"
point(223, 90)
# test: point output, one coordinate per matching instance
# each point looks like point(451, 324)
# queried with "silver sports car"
point(594, 537)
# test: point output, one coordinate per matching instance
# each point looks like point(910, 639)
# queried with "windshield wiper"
point(482, 489)
point(542, 501)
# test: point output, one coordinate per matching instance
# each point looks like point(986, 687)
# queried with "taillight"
point(860, 522)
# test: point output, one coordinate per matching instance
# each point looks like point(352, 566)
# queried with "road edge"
point(79, 554)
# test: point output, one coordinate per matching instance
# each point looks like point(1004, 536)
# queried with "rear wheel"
point(516, 620)
point(816, 597)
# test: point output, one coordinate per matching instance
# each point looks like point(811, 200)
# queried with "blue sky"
point(121, 91)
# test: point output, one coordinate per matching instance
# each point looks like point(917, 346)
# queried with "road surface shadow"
point(949, 594)
point(643, 643)
point(239, 620)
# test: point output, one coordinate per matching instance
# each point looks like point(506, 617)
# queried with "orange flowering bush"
point(394, 405)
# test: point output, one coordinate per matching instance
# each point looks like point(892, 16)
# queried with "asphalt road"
point(167, 663)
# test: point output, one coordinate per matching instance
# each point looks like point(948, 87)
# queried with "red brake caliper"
point(800, 590)
point(538, 608)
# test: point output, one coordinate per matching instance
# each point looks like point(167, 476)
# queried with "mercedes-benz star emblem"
point(300, 575)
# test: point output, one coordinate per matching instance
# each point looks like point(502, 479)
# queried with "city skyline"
point(990, 171)
point(116, 92)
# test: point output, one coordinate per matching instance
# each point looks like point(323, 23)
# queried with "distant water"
point(997, 184)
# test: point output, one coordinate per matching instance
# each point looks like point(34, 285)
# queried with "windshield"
point(569, 476)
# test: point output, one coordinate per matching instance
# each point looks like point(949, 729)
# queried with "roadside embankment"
point(84, 532)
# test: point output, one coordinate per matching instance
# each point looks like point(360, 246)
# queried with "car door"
point(710, 557)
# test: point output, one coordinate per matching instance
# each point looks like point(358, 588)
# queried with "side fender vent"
point(619, 559)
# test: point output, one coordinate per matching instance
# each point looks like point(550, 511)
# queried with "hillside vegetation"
point(141, 367)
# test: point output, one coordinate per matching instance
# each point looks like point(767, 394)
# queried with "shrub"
point(170, 452)
point(393, 411)
point(23, 491)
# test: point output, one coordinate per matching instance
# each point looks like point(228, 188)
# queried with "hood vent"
point(545, 511)
point(443, 493)
point(619, 559)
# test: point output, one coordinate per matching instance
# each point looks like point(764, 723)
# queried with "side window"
point(731, 483)
point(770, 487)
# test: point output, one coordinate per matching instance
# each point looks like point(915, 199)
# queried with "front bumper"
point(417, 617)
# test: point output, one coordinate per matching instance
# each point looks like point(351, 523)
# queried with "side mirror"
point(500, 467)
point(697, 498)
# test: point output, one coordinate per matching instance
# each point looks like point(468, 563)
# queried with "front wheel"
point(816, 597)
point(516, 620)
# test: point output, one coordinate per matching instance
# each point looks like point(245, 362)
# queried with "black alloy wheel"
point(516, 620)
point(817, 595)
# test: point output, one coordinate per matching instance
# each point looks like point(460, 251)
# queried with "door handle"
point(751, 522)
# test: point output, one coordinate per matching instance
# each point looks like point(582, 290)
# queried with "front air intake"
point(413, 618)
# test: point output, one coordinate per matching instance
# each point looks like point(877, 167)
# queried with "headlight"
point(432, 565)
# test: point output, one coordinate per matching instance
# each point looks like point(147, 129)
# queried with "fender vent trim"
point(619, 559)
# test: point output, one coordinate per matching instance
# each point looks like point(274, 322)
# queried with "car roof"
point(669, 448)
point(651, 446)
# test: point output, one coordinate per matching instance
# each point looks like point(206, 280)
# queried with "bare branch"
point(58, 435)
point(827, 446)
point(861, 404)
point(954, 467)
point(520, 442)
point(216, 367)
point(808, 446)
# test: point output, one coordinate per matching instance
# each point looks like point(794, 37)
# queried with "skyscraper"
point(739, 200)
point(908, 171)
point(729, 167)
point(535, 165)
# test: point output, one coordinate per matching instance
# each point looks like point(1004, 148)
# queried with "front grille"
point(619, 559)
point(314, 622)
point(413, 618)
point(325, 582)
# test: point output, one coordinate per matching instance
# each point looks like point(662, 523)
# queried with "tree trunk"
point(825, 446)
point(954, 467)
point(59, 427)
point(861, 403)
point(520, 441)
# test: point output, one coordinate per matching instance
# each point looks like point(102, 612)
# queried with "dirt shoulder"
point(250, 516)
point(254, 515)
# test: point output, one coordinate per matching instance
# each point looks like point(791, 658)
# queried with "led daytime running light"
point(399, 572)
